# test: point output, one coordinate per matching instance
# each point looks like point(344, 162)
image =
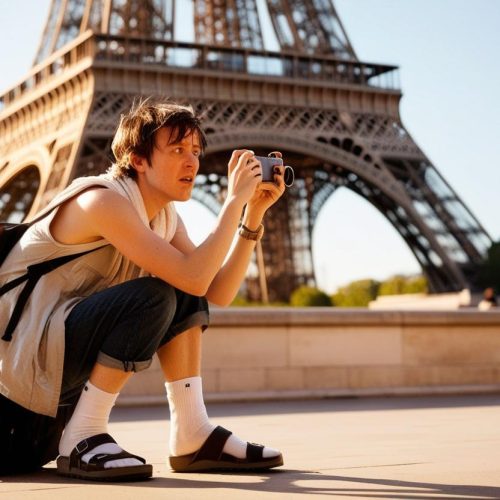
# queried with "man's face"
point(174, 165)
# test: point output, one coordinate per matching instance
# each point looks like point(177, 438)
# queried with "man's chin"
point(184, 197)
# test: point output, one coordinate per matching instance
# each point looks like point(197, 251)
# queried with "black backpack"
point(10, 234)
point(28, 440)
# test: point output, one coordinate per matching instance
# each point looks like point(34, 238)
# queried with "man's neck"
point(151, 199)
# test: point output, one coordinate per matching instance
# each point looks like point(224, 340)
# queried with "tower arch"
point(352, 240)
point(18, 194)
point(320, 169)
point(335, 117)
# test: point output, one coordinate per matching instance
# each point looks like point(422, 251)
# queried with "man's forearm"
point(207, 259)
point(228, 280)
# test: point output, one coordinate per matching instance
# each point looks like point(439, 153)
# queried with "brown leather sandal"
point(210, 456)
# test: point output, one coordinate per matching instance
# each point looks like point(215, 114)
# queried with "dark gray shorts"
point(123, 326)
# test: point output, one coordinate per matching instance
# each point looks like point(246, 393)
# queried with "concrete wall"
point(288, 352)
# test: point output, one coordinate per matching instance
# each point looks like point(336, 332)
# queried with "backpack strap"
point(11, 233)
point(35, 272)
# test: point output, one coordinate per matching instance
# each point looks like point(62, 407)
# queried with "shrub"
point(416, 284)
point(489, 273)
point(398, 285)
point(356, 294)
point(307, 296)
point(392, 286)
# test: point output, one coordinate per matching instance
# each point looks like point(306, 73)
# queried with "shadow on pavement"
point(287, 481)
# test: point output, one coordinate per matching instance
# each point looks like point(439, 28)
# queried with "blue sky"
point(447, 51)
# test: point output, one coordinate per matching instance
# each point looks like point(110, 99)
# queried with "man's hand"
point(244, 175)
point(268, 193)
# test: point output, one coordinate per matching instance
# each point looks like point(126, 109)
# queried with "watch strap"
point(248, 234)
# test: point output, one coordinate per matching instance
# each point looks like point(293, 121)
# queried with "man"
point(140, 290)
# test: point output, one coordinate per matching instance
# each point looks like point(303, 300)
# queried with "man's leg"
point(181, 357)
point(91, 415)
point(190, 427)
point(180, 360)
point(108, 379)
point(109, 335)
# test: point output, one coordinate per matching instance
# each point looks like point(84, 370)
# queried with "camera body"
point(268, 163)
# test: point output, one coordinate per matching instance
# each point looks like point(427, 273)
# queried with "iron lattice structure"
point(335, 118)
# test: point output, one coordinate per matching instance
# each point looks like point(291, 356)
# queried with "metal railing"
point(245, 61)
point(161, 53)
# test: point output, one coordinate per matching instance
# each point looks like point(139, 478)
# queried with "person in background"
point(489, 300)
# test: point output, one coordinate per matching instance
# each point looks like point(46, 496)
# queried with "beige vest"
point(31, 364)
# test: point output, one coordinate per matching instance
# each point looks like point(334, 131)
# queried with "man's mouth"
point(188, 179)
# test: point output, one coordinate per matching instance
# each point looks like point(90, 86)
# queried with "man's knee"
point(159, 298)
point(156, 290)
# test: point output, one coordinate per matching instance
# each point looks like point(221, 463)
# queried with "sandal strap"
point(102, 458)
point(213, 446)
point(254, 452)
point(86, 445)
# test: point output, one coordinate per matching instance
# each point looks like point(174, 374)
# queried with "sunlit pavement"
point(394, 448)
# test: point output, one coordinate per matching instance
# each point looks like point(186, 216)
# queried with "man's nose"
point(193, 162)
point(194, 159)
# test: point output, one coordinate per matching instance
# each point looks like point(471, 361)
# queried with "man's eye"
point(178, 150)
point(196, 152)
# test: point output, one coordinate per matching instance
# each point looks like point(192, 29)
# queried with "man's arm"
point(104, 213)
point(227, 281)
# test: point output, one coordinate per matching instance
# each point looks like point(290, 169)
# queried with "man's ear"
point(139, 163)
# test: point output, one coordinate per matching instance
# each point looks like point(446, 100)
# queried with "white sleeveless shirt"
point(31, 364)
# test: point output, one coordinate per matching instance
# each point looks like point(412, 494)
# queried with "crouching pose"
point(141, 289)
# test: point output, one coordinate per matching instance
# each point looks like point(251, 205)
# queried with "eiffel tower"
point(335, 118)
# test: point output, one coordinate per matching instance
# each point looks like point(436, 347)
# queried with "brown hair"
point(136, 132)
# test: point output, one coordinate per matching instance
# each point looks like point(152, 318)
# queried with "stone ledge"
point(318, 352)
point(321, 316)
point(290, 395)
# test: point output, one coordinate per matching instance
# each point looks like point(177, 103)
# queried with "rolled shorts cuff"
point(126, 366)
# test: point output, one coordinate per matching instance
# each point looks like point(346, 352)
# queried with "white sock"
point(90, 418)
point(189, 424)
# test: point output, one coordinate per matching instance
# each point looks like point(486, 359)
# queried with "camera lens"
point(289, 176)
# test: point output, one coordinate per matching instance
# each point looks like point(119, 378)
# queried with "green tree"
point(241, 301)
point(306, 296)
point(392, 286)
point(397, 285)
point(416, 284)
point(489, 274)
point(356, 294)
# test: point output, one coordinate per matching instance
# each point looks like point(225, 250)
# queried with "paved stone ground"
point(368, 448)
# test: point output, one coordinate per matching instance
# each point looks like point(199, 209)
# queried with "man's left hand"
point(268, 193)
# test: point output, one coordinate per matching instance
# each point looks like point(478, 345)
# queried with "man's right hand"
point(244, 175)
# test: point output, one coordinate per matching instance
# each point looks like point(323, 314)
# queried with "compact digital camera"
point(268, 163)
